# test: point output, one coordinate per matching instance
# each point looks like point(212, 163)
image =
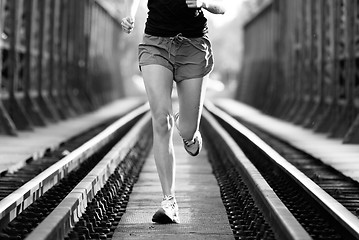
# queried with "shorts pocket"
point(203, 43)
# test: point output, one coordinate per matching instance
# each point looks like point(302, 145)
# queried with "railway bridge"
point(280, 130)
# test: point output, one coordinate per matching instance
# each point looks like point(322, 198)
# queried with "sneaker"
point(193, 147)
point(168, 213)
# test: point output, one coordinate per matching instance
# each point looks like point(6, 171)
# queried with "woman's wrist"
point(213, 6)
point(204, 4)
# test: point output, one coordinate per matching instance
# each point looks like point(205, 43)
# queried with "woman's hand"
point(127, 24)
point(212, 6)
point(195, 3)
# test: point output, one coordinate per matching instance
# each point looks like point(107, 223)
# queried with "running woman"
point(175, 48)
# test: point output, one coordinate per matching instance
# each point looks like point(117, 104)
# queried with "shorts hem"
point(147, 64)
point(202, 75)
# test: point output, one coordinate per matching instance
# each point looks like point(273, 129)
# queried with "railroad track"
point(85, 193)
point(312, 202)
point(22, 210)
point(11, 181)
point(342, 188)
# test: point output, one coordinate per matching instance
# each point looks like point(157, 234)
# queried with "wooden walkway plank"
point(201, 210)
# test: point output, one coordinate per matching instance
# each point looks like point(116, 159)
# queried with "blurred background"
point(300, 60)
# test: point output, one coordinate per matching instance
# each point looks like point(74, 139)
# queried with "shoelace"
point(168, 201)
point(189, 143)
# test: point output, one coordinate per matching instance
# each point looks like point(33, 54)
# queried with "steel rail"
point(19, 200)
point(333, 207)
point(281, 220)
point(66, 214)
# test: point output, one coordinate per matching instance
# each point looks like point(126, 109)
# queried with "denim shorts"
point(187, 58)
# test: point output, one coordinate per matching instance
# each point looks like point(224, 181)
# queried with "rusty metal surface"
point(302, 57)
point(59, 59)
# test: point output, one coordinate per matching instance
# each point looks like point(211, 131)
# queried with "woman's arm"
point(212, 6)
point(128, 22)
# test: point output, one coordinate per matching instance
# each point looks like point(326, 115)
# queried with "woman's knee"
point(162, 123)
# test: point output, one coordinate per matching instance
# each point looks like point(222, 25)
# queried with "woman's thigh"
point(158, 83)
point(191, 93)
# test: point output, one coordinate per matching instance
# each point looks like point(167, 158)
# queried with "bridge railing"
point(59, 58)
point(301, 63)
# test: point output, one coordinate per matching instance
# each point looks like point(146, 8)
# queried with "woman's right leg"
point(158, 83)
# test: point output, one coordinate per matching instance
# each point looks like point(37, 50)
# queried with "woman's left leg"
point(191, 94)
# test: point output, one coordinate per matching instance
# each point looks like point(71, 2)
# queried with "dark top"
point(167, 18)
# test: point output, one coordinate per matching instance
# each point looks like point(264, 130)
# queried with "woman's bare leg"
point(191, 94)
point(158, 83)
